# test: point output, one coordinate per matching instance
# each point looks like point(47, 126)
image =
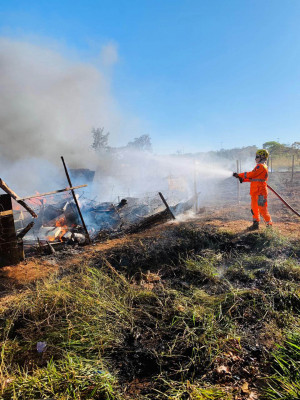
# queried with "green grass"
point(193, 391)
point(69, 378)
point(106, 326)
point(285, 381)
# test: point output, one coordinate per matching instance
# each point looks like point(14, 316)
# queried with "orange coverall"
point(258, 191)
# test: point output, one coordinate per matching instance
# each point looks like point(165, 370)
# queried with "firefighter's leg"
point(254, 208)
point(255, 213)
point(263, 209)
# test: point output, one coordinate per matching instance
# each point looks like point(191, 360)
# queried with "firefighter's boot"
point(254, 226)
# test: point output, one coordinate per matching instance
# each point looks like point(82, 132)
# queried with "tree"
point(274, 148)
point(142, 143)
point(100, 140)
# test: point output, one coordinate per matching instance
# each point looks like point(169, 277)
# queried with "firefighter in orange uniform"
point(258, 189)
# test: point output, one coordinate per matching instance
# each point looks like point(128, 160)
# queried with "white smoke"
point(109, 54)
point(48, 104)
point(48, 107)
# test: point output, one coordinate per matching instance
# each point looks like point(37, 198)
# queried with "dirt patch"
point(18, 276)
point(288, 229)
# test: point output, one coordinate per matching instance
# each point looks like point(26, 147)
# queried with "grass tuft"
point(285, 381)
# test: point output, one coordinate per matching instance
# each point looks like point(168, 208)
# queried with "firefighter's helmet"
point(263, 153)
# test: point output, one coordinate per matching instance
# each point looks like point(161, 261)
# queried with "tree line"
point(100, 142)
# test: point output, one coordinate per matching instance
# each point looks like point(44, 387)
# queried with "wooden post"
point(11, 250)
point(75, 200)
point(293, 167)
point(271, 161)
point(166, 204)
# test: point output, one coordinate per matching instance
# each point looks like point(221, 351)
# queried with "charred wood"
point(148, 222)
point(167, 205)
point(76, 202)
point(7, 190)
point(11, 249)
point(21, 234)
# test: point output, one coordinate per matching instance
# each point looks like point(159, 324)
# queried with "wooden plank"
point(8, 190)
point(54, 192)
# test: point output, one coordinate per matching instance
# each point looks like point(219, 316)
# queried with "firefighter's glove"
point(236, 175)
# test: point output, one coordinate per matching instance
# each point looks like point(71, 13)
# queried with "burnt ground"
point(235, 220)
point(234, 217)
point(152, 260)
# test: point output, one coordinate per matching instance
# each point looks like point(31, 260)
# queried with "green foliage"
point(274, 147)
point(238, 273)
point(195, 391)
point(277, 149)
point(200, 268)
point(287, 269)
point(69, 378)
point(285, 382)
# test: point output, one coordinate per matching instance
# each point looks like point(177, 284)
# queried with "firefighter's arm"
point(252, 174)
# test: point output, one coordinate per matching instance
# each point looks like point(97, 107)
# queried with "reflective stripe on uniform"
point(258, 180)
point(245, 174)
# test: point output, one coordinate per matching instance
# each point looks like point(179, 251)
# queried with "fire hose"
point(284, 202)
point(278, 195)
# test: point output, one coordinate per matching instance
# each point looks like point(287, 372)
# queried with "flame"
point(62, 224)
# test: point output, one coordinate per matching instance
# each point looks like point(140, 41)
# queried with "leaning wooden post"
point(166, 204)
point(8, 190)
point(75, 200)
point(293, 167)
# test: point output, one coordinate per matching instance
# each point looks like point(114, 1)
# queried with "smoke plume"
point(49, 104)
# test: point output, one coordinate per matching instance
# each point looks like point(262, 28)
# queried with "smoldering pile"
point(73, 221)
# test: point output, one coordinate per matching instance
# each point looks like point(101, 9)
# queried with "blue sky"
point(198, 75)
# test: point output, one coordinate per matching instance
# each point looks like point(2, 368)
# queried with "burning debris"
point(65, 222)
